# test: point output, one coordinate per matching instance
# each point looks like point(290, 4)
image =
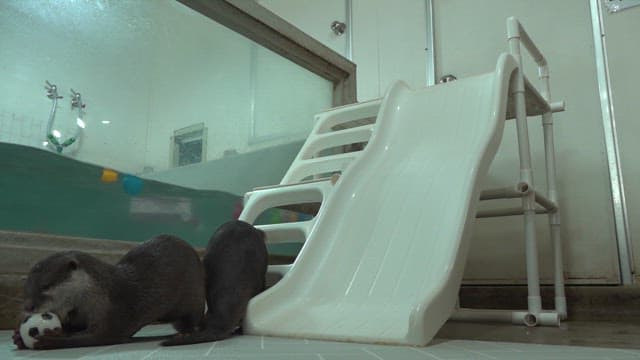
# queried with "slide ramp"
point(384, 259)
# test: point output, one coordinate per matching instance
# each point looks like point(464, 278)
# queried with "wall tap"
point(76, 100)
point(52, 90)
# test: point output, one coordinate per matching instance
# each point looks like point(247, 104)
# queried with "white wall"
point(314, 17)
point(469, 37)
point(389, 40)
point(389, 37)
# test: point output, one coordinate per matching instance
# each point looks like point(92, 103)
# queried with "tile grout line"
point(636, 353)
point(504, 347)
point(424, 352)
point(473, 349)
point(481, 354)
point(372, 353)
point(500, 345)
point(211, 349)
point(469, 350)
point(96, 352)
point(32, 354)
point(149, 354)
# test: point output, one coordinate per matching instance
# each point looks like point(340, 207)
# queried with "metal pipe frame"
point(515, 35)
point(509, 192)
point(525, 189)
point(348, 14)
point(522, 190)
point(560, 301)
point(505, 212)
point(546, 318)
point(549, 205)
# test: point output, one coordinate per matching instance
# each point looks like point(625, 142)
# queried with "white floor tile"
point(269, 348)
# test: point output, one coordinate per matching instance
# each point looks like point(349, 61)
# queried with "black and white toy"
point(37, 324)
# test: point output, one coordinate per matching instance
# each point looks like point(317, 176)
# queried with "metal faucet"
point(76, 103)
point(76, 100)
point(52, 91)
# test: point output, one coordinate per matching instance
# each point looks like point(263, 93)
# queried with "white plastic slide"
point(384, 258)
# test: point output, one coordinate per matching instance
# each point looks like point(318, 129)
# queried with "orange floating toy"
point(109, 176)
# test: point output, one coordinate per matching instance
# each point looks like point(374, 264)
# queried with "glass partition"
point(124, 119)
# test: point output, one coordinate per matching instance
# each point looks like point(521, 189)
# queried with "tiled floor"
point(257, 347)
point(622, 335)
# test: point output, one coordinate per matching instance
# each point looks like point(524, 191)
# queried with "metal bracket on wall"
point(338, 27)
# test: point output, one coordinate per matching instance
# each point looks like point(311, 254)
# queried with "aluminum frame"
point(430, 44)
point(623, 237)
point(348, 14)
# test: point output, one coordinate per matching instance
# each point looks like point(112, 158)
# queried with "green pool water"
point(48, 193)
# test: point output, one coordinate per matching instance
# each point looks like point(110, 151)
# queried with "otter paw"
point(50, 339)
point(17, 340)
point(53, 332)
point(46, 342)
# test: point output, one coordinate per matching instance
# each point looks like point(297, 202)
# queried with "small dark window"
point(189, 145)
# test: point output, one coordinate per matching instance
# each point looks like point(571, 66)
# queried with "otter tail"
point(213, 328)
point(196, 338)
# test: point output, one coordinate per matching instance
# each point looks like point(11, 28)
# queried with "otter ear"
point(72, 265)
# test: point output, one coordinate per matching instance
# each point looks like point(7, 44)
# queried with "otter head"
point(58, 284)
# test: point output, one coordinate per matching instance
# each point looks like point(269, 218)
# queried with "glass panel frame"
point(255, 22)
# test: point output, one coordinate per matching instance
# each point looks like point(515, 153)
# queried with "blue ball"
point(132, 184)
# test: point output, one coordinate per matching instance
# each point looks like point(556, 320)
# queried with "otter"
point(235, 264)
point(160, 280)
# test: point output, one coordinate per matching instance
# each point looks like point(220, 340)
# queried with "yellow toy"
point(109, 176)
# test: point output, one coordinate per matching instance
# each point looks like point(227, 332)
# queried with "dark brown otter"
point(101, 304)
point(235, 266)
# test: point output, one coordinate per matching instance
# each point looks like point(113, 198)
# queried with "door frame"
point(619, 204)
